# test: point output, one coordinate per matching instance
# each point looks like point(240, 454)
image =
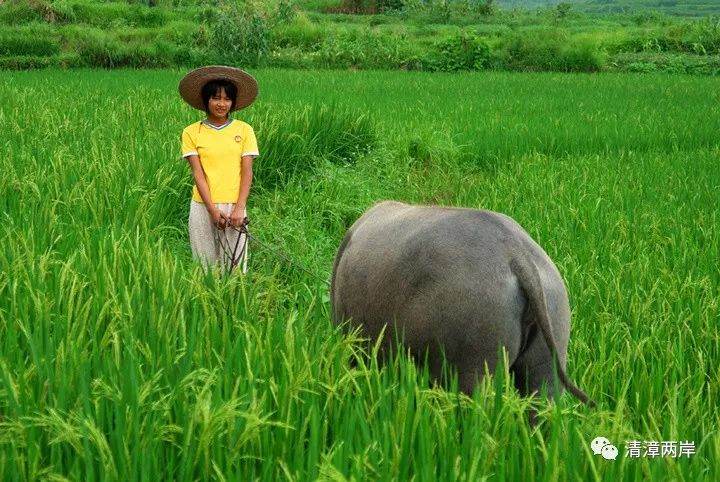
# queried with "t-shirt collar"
point(217, 128)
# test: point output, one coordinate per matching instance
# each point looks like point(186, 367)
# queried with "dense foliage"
point(413, 35)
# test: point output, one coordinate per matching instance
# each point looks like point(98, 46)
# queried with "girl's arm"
point(199, 175)
point(246, 175)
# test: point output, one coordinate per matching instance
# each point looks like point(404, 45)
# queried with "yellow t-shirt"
point(220, 150)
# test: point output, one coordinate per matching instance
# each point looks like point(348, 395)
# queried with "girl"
point(220, 151)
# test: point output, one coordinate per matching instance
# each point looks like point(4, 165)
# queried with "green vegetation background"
point(429, 35)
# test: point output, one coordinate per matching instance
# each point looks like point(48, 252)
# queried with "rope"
point(232, 255)
point(277, 252)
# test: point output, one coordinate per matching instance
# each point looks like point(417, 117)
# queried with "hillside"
point(419, 35)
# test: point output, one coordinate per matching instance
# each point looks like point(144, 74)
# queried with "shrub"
point(648, 41)
point(701, 37)
point(460, 52)
point(551, 50)
point(697, 37)
point(562, 10)
point(363, 49)
point(533, 51)
point(582, 56)
point(240, 33)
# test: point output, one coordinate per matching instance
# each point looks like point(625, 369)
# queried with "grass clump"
point(109, 14)
point(355, 48)
point(299, 140)
point(16, 12)
point(550, 50)
point(300, 32)
point(29, 41)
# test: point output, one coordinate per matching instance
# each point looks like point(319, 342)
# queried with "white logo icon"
point(602, 446)
point(609, 452)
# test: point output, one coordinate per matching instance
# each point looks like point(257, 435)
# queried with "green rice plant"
point(551, 114)
point(121, 359)
point(299, 140)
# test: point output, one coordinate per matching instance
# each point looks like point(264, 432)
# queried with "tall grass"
point(121, 360)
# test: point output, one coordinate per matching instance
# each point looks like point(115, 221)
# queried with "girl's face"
point(219, 104)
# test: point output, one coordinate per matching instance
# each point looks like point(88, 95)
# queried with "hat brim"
point(191, 85)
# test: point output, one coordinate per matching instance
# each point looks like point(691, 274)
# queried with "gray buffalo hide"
point(459, 284)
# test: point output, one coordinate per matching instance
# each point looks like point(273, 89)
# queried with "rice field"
point(121, 360)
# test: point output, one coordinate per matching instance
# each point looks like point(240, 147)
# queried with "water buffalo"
point(455, 283)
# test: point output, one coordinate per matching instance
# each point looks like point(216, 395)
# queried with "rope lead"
point(235, 257)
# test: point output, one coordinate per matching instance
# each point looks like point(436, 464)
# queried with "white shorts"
point(213, 246)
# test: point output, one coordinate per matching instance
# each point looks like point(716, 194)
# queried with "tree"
point(563, 9)
point(487, 8)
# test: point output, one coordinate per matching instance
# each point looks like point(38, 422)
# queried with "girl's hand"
point(237, 216)
point(219, 219)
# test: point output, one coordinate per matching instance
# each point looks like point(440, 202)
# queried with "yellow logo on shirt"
point(238, 138)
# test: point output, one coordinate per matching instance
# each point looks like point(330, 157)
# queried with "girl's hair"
point(213, 87)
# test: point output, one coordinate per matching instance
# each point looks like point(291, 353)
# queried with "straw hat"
point(191, 85)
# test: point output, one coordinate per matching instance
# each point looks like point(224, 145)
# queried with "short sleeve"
point(189, 147)
point(250, 147)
